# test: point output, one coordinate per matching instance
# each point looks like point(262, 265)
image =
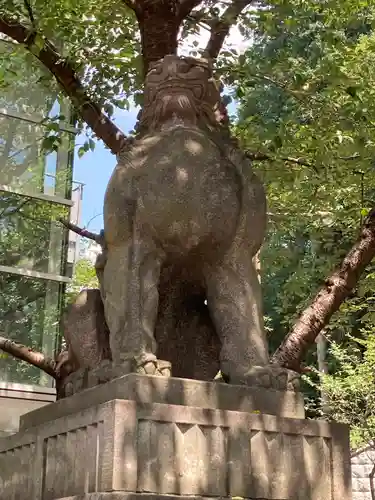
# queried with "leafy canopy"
point(306, 88)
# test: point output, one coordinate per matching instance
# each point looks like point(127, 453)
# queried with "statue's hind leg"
point(131, 276)
point(234, 302)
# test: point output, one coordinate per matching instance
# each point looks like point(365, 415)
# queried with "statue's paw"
point(268, 377)
point(75, 382)
point(108, 371)
point(156, 367)
point(101, 374)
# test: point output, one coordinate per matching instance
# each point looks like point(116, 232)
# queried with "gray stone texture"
point(85, 331)
point(363, 468)
point(121, 449)
point(183, 202)
point(152, 389)
point(184, 217)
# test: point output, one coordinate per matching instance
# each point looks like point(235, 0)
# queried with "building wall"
point(35, 190)
point(363, 468)
point(17, 399)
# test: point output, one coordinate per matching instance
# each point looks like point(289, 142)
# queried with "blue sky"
point(95, 168)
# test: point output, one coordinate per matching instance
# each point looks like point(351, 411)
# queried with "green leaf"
point(352, 91)
point(37, 45)
point(48, 143)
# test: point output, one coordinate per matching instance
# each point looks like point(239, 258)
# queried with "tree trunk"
point(328, 300)
point(321, 353)
point(159, 26)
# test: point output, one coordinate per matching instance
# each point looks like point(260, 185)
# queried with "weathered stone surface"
point(184, 217)
point(85, 330)
point(190, 348)
point(270, 377)
point(184, 331)
point(127, 447)
point(175, 391)
point(183, 196)
point(109, 371)
point(146, 496)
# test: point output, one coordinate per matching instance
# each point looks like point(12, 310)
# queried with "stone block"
point(130, 449)
point(176, 391)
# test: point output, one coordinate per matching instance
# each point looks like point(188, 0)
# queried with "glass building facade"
point(35, 191)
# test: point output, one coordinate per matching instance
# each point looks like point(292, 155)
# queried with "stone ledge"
point(120, 495)
point(174, 451)
point(176, 391)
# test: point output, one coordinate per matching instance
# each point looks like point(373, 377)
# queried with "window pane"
point(23, 164)
point(30, 235)
point(29, 312)
point(28, 88)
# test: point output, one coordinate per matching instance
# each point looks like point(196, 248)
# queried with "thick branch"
point(258, 156)
point(266, 157)
point(158, 24)
point(66, 76)
point(220, 27)
point(29, 11)
point(328, 300)
point(82, 232)
point(38, 359)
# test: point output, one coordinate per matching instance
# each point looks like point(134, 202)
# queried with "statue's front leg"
point(234, 301)
point(130, 281)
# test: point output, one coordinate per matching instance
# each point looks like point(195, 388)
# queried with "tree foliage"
point(306, 88)
point(84, 276)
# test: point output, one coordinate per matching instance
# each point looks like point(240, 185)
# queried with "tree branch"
point(159, 26)
point(328, 300)
point(29, 11)
point(221, 26)
point(38, 359)
point(66, 76)
point(82, 232)
point(257, 156)
point(185, 7)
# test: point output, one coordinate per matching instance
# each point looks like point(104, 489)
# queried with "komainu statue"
point(184, 215)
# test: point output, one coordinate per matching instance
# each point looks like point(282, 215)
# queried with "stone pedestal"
point(141, 436)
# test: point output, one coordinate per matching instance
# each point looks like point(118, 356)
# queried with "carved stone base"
point(124, 449)
point(176, 391)
point(268, 377)
point(119, 495)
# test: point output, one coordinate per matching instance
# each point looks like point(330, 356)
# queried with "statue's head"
point(180, 90)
